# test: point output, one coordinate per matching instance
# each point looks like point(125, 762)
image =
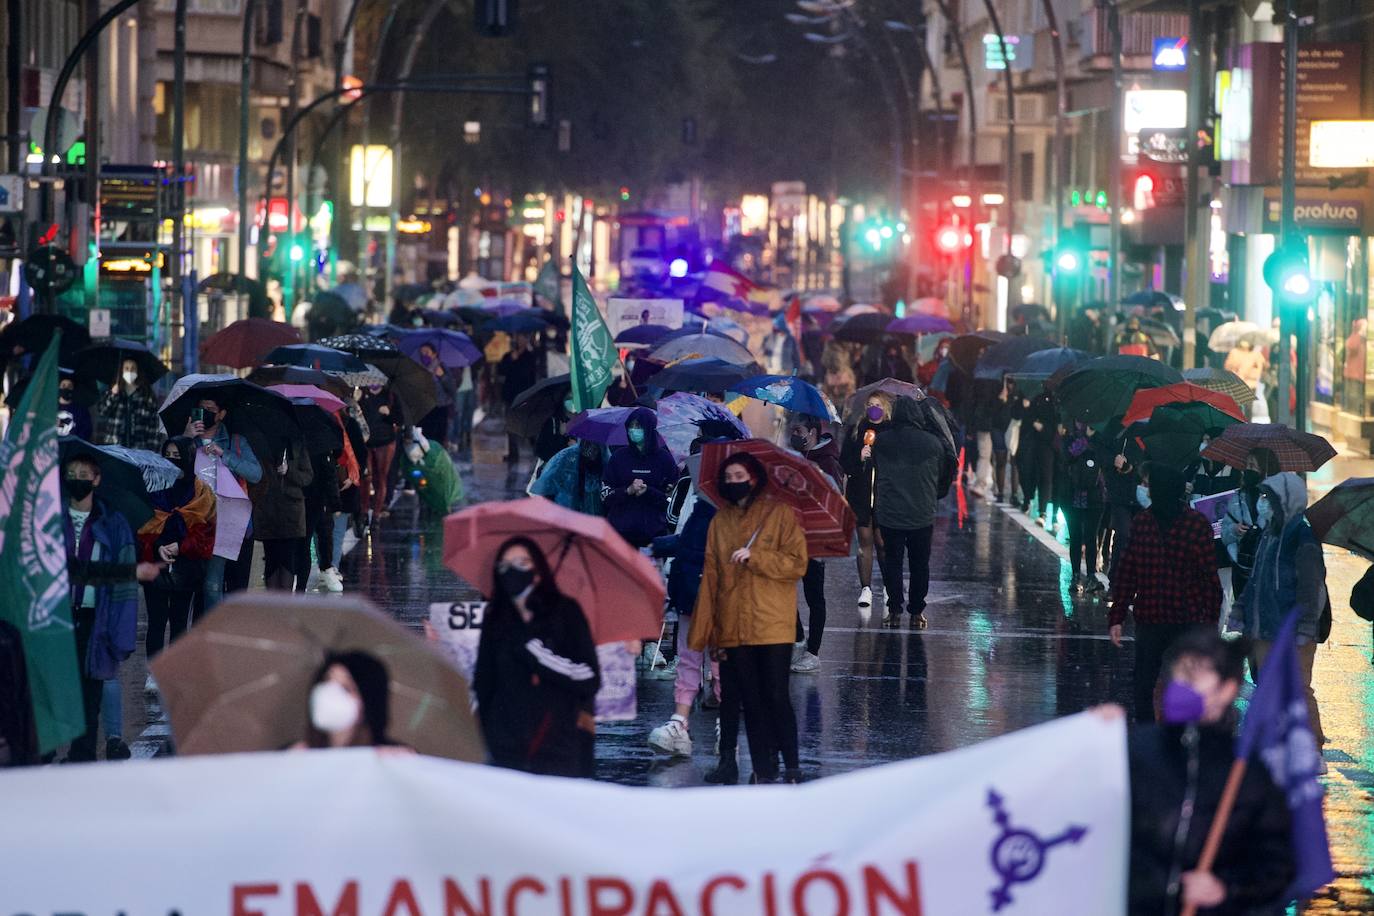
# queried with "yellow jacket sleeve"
point(786, 561)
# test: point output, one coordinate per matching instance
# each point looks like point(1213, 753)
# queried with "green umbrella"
point(1345, 516)
point(1103, 388)
point(1175, 431)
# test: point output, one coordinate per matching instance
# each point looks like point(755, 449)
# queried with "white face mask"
point(332, 708)
point(1142, 495)
point(130, 378)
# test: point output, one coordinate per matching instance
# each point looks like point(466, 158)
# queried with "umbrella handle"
point(567, 546)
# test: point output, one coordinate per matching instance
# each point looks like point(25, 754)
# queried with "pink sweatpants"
point(688, 681)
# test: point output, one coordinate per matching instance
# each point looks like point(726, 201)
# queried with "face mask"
point(130, 378)
point(332, 708)
point(1250, 478)
point(591, 456)
point(875, 413)
point(374, 389)
point(734, 492)
point(64, 395)
point(1142, 495)
point(1264, 512)
point(798, 443)
point(1181, 704)
point(514, 580)
point(635, 435)
point(78, 489)
point(426, 360)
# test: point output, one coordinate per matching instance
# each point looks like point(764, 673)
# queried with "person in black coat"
point(1189, 755)
point(519, 370)
point(536, 675)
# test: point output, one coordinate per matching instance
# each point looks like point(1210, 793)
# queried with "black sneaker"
point(792, 777)
point(116, 749)
point(757, 780)
point(726, 773)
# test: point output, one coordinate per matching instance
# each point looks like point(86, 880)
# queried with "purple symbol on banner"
point(1019, 855)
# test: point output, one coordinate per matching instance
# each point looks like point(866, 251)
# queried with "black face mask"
point(734, 492)
point(78, 489)
point(64, 395)
point(1250, 478)
point(798, 443)
point(514, 580)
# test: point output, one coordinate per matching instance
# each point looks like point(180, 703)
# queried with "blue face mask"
point(1142, 495)
point(635, 435)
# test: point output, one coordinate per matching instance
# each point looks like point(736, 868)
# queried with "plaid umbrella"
point(1223, 381)
point(824, 515)
point(1345, 516)
point(1103, 388)
point(1296, 451)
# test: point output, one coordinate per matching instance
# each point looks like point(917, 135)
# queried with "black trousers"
point(1121, 517)
point(813, 587)
point(279, 562)
point(238, 572)
point(1083, 538)
point(166, 609)
point(762, 674)
point(1028, 470)
point(730, 709)
point(92, 689)
point(1152, 642)
point(915, 543)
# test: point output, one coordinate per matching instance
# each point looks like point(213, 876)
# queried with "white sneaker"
point(1040, 520)
point(865, 596)
point(331, 580)
point(672, 737)
point(807, 664)
point(798, 650)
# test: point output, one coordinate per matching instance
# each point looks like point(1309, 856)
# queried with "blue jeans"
point(340, 529)
point(112, 708)
point(214, 581)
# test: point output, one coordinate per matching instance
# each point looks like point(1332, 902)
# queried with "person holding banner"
point(1179, 773)
point(536, 676)
point(747, 606)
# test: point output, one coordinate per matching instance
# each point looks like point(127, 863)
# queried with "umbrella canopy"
point(861, 308)
point(258, 301)
point(1175, 430)
point(360, 345)
point(181, 385)
point(965, 349)
point(502, 308)
point(863, 327)
point(1030, 311)
point(1144, 402)
point(413, 385)
point(86, 393)
point(730, 328)
point(269, 376)
point(123, 484)
point(1008, 356)
point(532, 407)
point(248, 405)
point(606, 426)
point(365, 379)
point(240, 680)
point(1227, 335)
point(642, 335)
point(1220, 380)
point(680, 416)
point(702, 344)
point(438, 318)
point(1103, 388)
point(713, 376)
point(245, 342)
point(1044, 363)
point(819, 302)
point(332, 311)
point(919, 323)
point(521, 322)
point(788, 392)
point(313, 393)
point(1160, 334)
point(821, 508)
point(619, 590)
point(1345, 516)
point(102, 361)
point(317, 427)
point(454, 350)
point(34, 333)
point(1151, 298)
point(891, 387)
point(315, 356)
point(1296, 451)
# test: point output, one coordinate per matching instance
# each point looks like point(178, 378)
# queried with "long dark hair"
point(751, 464)
point(501, 607)
point(374, 689)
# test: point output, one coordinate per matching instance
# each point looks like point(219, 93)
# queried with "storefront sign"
point(1032, 822)
point(1171, 53)
point(1344, 216)
point(1341, 145)
point(994, 58)
point(1155, 108)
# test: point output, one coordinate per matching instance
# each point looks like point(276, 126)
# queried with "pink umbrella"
point(619, 590)
point(322, 398)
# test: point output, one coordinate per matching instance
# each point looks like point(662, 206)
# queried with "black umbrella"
point(363, 346)
point(271, 412)
point(86, 393)
point(259, 305)
point(1160, 334)
point(329, 306)
point(295, 375)
point(965, 349)
point(121, 483)
point(521, 323)
point(34, 333)
point(532, 407)
point(409, 292)
point(102, 362)
point(708, 374)
point(1008, 356)
point(1102, 388)
point(315, 356)
point(864, 328)
point(323, 435)
point(1030, 311)
point(412, 384)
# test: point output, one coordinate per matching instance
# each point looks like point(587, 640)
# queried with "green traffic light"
point(296, 252)
point(1298, 285)
point(1067, 262)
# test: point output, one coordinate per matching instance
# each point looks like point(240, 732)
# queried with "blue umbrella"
point(789, 392)
point(1007, 356)
point(1047, 362)
point(314, 356)
point(643, 335)
point(714, 376)
point(521, 323)
point(455, 350)
point(919, 323)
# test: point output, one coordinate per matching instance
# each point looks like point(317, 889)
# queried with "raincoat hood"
point(906, 412)
point(1288, 494)
point(647, 419)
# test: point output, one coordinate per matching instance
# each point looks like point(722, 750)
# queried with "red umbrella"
point(1296, 451)
point(1147, 399)
point(821, 508)
point(245, 342)
point(620, 591)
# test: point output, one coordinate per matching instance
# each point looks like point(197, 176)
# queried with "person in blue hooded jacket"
point(637, 481)
point(572, 478)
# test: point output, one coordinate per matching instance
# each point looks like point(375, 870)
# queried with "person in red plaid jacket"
point(1167, 579)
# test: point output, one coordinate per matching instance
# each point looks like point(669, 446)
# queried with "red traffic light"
point(951, 239)
point(1143, 194)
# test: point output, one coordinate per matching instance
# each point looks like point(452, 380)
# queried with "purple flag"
point(1276, 729)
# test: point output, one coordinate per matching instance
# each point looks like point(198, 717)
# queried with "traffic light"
point(1067, 261)
point(951, 240)
point(1288, 274)
point(296, 252)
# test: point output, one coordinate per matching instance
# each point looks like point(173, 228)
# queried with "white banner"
point(1030, 823)
point(623, 314)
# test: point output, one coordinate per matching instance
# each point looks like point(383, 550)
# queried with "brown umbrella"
point(240, 680)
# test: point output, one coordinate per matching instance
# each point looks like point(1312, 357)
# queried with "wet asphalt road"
point(1008, 646)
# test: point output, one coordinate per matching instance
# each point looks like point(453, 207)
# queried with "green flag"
point(33, 558)
point(593, 350)
point(549, 285)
